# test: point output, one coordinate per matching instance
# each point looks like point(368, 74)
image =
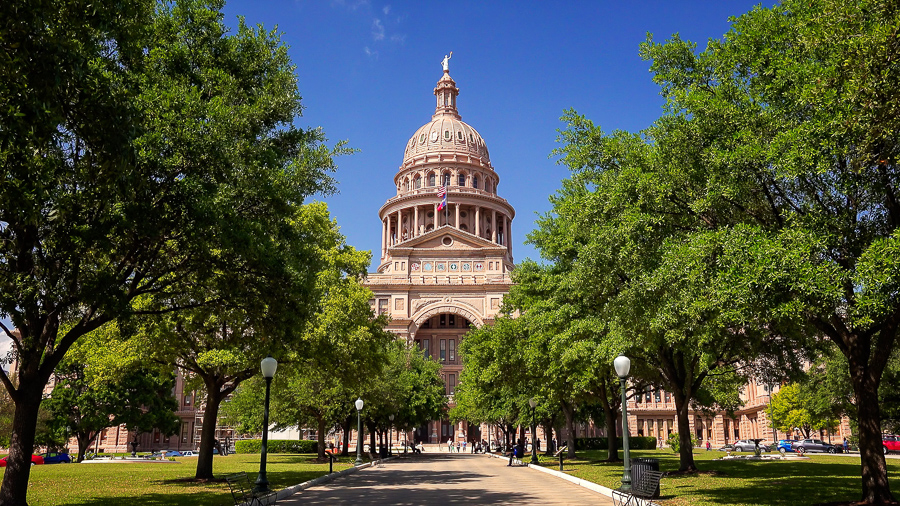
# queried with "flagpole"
point(447, 207)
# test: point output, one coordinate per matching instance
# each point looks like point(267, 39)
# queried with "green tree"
point(796, 407)
point(778, 140)
point(143, 148)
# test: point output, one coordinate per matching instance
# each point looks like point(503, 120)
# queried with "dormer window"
point(447, 135)
point(460, 136)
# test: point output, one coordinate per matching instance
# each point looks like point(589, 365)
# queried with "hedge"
point(277, 446)
point(601, 443)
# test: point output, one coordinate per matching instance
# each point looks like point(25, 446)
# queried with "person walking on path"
point(846, 446)
point(464, 446)
point(707, 445)
point(457, 447)
point(450, 445)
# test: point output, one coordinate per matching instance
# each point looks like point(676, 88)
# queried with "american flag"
point(442, 193)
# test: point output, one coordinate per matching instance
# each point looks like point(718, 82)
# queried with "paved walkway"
point(447, 479)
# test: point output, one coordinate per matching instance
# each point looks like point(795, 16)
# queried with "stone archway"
point(444, 308)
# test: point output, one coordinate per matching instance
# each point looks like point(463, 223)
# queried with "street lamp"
point(391, 435)
point(622, 365)
point(268, 366)
point(359, 406)
point(534, 458)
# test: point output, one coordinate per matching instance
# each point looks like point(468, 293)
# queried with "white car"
point(188, 454)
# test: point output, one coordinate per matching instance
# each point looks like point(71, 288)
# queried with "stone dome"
point(446, 133)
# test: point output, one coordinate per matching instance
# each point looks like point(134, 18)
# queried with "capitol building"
point(446, 245)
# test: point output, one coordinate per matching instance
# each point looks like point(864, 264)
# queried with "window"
point(453, 351)
point(461, 180)
point(447, 134)
point(452, 320)
point(426, 347)
point(668, 397)
point(418, 182)
point(184, 432)
point(474, 181)
point(452, 384)
point(187, 399)
point(443, 320)
point(656, 395)
point(430, 179)
point(443, 350)
point(446, 179)
point(647, 394)
point(460, 136)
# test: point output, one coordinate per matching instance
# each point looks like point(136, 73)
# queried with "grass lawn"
point(822, 479)
point(162, 484)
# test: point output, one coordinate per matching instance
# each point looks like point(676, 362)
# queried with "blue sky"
point(367, 68)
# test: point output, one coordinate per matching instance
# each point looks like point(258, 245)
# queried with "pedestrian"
point(846, 446)
point(464, 446)
point(457, 447)
point(707, 445)
point(449, 444)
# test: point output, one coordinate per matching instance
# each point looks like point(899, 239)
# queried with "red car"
point(35, 460)
point(890, 443)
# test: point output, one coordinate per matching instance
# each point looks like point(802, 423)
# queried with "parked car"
point(890, 443)
point(745, 445)
point(785, 445)
point(814, 445)
point(36, 460)
point(172, 453)
point(57, 458)
point(188, 453)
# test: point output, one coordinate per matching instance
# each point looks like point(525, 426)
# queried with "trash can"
point(639, 466)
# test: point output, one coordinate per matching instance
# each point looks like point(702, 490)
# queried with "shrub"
point(601, 443)
point(276, 446)
point(675, 443)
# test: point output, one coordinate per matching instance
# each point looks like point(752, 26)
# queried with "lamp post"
point(534, 459)
point(359, 406)
point(268, 366)
point(622, 365)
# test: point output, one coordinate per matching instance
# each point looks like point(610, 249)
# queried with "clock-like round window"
point(462, 214)
point(447, 240)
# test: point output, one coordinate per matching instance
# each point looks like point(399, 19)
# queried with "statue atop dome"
point(446, 62)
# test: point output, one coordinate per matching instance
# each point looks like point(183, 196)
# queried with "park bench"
point(242, 491)
point(641, 492)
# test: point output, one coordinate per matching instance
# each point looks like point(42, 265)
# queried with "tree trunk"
point(14, 490)
point(371, 427)
point(84, 442)
point(208, 432)
point(345, 448)
point(612, 447)
point(875, 487)
point(321, 431)
point(548, 435)
point(569, 412)
point(686, 452)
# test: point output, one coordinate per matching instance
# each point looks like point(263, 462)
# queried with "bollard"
point(330, 463)
point(560, 461)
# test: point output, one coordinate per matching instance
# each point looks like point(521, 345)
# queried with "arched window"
point(418, 182)
point(446, 179)
point(461, 180)
point(474, 181)
point(431, 179)
point(406, 184)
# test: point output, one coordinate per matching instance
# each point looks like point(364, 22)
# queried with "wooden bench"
point(242, 491)
point(641, 493)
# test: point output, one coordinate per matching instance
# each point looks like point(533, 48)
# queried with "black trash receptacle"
point(641, 464)
point(382, 452)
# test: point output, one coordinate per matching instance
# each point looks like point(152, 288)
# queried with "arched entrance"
point(438, 333)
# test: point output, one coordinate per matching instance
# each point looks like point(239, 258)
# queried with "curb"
point(578, 481)
point(289, 491)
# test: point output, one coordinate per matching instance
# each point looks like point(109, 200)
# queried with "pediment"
point(437, 240)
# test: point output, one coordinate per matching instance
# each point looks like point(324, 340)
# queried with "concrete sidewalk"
point(447, 479)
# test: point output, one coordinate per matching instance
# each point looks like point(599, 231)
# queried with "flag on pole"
point(442, 193)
